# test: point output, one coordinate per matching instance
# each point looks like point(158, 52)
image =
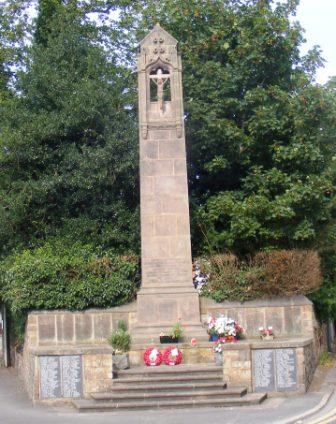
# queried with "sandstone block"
point(46, 327)
point(65, 327)
point(154, 168)
point(172, 149)
point(83, 327)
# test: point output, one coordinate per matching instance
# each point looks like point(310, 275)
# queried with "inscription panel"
point(263, 370)
point(50, 377)
point(61, 376)
point(274, 370)
point(72, 380)
point(285, 360)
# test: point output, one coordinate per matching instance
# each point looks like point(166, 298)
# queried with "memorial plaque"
point(263, 370)
point(72, 380)
point(50, 377)
point(285, 360)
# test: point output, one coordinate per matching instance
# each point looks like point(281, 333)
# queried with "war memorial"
point(66, 356)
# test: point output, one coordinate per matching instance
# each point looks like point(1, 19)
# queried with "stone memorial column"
point(167, 293)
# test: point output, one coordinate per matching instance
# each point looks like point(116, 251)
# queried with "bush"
point(231, 279)
point(290, 272)
point(75, 277)
point(120, 340)
point(276, 273)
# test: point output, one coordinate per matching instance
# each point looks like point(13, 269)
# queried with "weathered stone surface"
point(97, 372)
point(46, 327)
point(102, 326)
point(121, 362)
point(84, 327)
point(165, 230)
point(65, 327)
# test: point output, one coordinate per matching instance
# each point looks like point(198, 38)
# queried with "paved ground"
point(15, 408)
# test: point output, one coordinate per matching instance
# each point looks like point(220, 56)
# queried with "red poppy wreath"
point(172, 356)
point(152, 357)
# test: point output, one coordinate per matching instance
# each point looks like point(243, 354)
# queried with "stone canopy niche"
point(167, 293)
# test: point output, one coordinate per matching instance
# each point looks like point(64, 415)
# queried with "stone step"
point(178, 395)
point(183, 385)
point(170, 370)
point(86, 405)
point(168, 379)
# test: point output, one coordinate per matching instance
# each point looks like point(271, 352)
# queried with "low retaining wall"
point(70, 349)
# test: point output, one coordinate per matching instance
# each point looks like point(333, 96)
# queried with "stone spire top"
point(158, 36)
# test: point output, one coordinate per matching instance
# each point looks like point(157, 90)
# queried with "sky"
point(318, 18)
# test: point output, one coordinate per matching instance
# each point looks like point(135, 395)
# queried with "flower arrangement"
point(218, 345)
point(152, 357)
point(211, 324)
point(224, 327)
point(172, 356)
point(174, 335)
point(266, 332)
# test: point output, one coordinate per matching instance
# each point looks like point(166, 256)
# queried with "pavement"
point(318, 406)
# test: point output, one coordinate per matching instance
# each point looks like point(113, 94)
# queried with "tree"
point(68, 156)
point(68, 181)
point(260, 133)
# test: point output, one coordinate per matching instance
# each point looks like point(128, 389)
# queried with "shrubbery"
point(277, 273)
point(75, 277)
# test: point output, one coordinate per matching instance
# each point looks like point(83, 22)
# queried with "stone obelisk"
point(167, 293)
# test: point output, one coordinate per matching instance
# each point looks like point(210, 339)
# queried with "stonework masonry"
point(59, 333)
point(167, 293)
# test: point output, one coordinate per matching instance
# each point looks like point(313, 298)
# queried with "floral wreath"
point(152, 357)
point(172, 356)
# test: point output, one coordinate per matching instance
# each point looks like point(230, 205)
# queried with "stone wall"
point(239, 365)
point(289, 317)
point(64, 335)
point(90, 327)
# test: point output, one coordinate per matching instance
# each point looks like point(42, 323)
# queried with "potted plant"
point(120, 340)
point(175, 334)
point(266, 333)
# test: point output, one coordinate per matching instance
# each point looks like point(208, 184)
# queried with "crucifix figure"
point(160, 80)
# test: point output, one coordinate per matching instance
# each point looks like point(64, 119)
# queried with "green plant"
point(177, 330)
point(122, 325)
point(278, 272)
point(326, 358)
point(120, 340)
point(61, 275)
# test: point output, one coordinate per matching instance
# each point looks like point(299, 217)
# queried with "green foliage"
point(68, 144)
point(177, 330)
point(75, 277)
point(122, 325)
point(260, 134)
point(267, 274)
point(326, 358)
point(120, 340)
point(233, 280)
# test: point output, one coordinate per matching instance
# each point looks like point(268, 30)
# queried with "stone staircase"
point(183, 386)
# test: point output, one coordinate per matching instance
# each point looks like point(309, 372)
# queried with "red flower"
point(172, 356)
point(152, 356)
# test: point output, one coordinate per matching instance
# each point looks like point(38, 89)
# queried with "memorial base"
point(161, 307)
point(72, 348)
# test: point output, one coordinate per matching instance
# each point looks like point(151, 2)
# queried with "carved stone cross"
point(160, 79)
